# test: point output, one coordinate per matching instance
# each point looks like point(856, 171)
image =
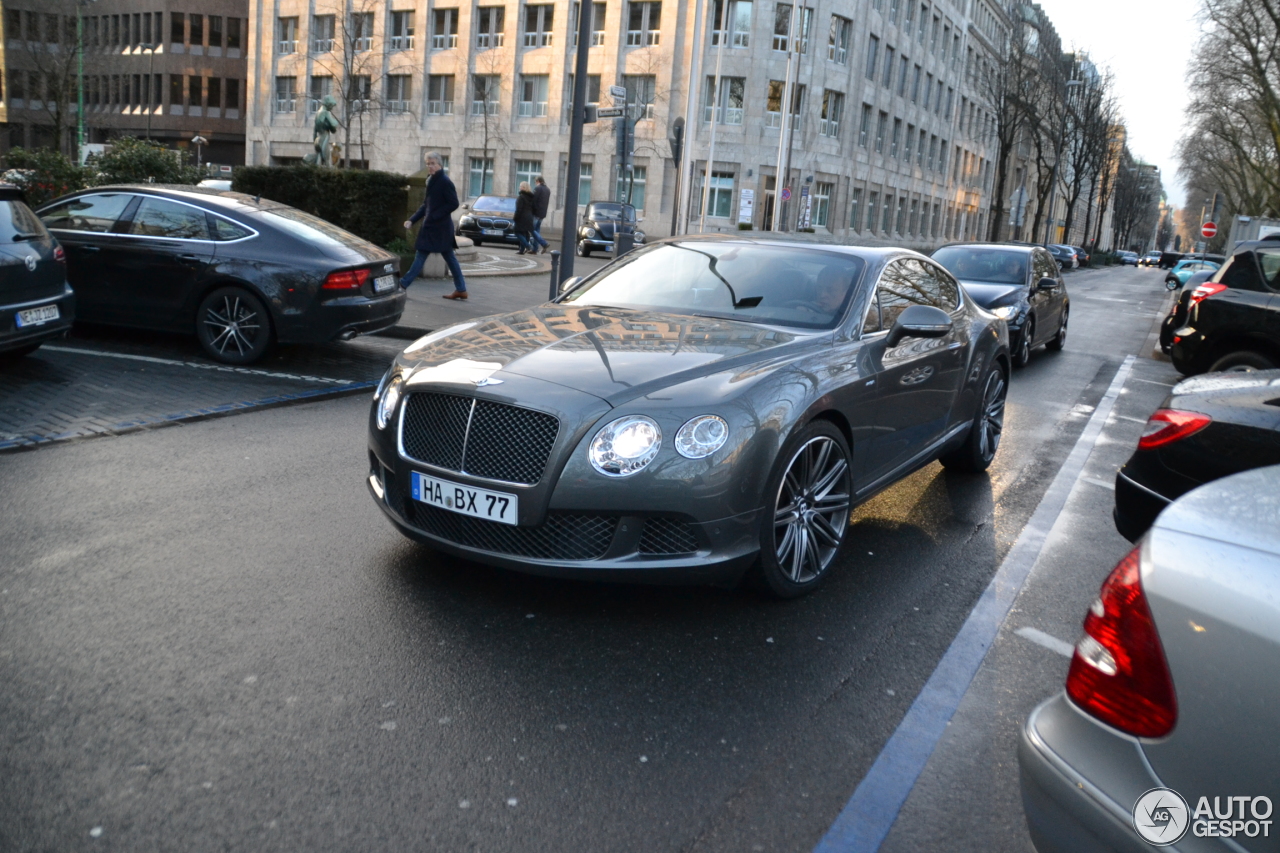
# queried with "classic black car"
point(490, 218)
point(601, 223)
point(237, 271)
point(697, 409)
point(1020, 284)
point(36, 303)
point(1232, 321)
point(1208, 427)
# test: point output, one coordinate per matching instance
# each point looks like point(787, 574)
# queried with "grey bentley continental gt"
point(697, 410)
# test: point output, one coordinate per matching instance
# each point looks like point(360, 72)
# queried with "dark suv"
point(36, 303)
point(1232, 321)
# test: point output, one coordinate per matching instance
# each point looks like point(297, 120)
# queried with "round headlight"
point(639, 236)
point(625, 446)
point(701, 436)
point(387, 405)
point(590, 232)
point(1005, 312)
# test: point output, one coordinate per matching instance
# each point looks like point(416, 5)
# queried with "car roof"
point(1026, 247)
point(869, 253)
point(225, 200)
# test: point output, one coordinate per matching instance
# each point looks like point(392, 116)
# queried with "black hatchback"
point(36, 303)
point(237, 271)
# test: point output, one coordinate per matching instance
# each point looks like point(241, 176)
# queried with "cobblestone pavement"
point(104, 382)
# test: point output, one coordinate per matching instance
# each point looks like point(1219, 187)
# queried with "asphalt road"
point(210, 639)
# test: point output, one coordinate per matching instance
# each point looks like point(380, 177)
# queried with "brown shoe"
point(457, 294)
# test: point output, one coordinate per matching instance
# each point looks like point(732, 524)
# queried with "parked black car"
point(1020, 284)
point(1208, 427)
point(237, 271)
point(1065, 255)
point(1082, 256)
point(36, 303)
point(490, 219)
point(693, 410)
point(1191, 293)
point(601, 223)
point(1233, 319)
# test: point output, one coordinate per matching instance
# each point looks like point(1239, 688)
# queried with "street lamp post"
point(198, 141)
point(1057, 158)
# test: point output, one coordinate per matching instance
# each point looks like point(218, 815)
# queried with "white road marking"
point(1048, 641)
point(1094, 481)
point(1127, 418)
point(248, 371)
point(1152, 382)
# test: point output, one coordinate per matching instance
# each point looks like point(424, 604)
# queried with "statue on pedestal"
point(326, 125)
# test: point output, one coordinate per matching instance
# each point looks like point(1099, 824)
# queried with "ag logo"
point(1160, 817)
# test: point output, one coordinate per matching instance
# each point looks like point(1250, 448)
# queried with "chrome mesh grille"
point(478, 437)
point(563, 536)
point(667, 536)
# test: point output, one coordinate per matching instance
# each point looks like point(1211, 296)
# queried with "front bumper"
point(478, 236)
point(12, 337)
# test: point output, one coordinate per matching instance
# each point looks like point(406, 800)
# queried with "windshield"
point(495, 203)
point(758, 283)
point(988, 265)
point(611, 212)
point(17, 222)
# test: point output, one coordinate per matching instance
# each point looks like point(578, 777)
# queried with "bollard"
point(555, 274)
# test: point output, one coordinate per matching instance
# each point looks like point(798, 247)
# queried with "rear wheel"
point(1060, 339)
point(1244, 361)
point(807, 513)
point(979, 448)
point(233, 326)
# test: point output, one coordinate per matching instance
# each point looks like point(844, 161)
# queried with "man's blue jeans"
point(537, 234)
point(450, 260)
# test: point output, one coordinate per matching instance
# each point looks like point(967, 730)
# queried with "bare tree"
point(491, 66)
point(1088, 127)
point(49, 46)
point(1009, 89)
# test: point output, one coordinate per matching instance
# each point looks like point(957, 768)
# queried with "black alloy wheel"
point(233, 326)
point(1060, 339)
point(1023, 354)
point(808, 513)
point(979, 448)
point(1244, 361)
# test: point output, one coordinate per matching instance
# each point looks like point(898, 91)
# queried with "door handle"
point(190, 259)
point(88, 249)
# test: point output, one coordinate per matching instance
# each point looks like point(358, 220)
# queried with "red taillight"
point(1204, 291)
point(59, 255)
point(1119, 673)
point(1169, 425)
point(346, 280)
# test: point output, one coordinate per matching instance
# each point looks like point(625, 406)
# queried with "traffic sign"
point(618, 91)
point(610, 112)
point(786, 193)
point(1209, 229)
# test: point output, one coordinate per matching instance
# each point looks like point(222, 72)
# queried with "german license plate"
point(37, 316)
point(468, 500)
point(492, 232)
point(383, 283)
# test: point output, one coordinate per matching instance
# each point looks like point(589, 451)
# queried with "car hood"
point(988, 295)
point(606, 227)
point(615, 354)
point(497, 214)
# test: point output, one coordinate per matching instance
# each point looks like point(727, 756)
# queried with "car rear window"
point(311, 229)
point(17, 222)
point(992, 265)
point(1240, 273)
point(1269, 260)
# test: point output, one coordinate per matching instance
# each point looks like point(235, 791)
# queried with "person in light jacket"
point(436, 234)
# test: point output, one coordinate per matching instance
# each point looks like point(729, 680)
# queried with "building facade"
point(886, 141)
point(169, 73)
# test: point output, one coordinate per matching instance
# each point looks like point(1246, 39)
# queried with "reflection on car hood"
point(987, 294)
point(615, 354)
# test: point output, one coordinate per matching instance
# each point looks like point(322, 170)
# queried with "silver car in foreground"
point(1169, 730)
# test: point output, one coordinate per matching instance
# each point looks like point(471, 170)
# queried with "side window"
point(1241, 273)
point(93, 213)
point(225, 229)
point(904, 284)
point(1269, 259)
point(1045, 267)
point(157, 217)
point(947, 288)
point(871, 325)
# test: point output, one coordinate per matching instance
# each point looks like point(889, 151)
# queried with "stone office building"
point(887, 143)
point(163, 70)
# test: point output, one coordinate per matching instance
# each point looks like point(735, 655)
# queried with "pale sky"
point(1147, 45)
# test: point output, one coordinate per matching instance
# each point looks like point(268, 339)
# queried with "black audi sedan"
point(36, 303)
point(695, 410)
point(238, 271)
point(1020, 284)
point(601, 222)
point(489, 219)
point(1208, 427)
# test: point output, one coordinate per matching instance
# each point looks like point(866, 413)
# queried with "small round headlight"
point(590, 232)
point(390, 399)
point(701, 436)
point(625, 446)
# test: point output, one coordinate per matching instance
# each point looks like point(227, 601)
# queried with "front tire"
point(807, 513)
point(233, 326)
point(979, 448)
point(1023, 353)
point(583, 250)
point(1244, 361)
point(1060, 340)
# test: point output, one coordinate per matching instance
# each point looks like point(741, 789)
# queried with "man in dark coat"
point(541, 201)
point(436, 234)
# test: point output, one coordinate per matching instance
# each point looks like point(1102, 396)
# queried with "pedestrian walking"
point(524, 220)
point(436, 234)
point(541, 201)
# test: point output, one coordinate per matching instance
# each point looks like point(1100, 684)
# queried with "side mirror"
point(639, 219)
point(919, 321)
point(1046, 283)
point(466, 207)
point(570, 283)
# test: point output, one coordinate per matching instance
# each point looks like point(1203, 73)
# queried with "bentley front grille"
point(482, 438)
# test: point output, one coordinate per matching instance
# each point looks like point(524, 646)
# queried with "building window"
point(822, 191)
point(902, 214)
point(321, 86)
point(584, 183)
point(886, 213)
point(440, 95)
point(887, 78)
point(910, 16)
point(195, 91)
point(773, 103)
point(399, 92)
point(286, 34)
point(903, 64)
point(444, 29)
point(213, 97)
point(537, 24)
point(639, 176)
point(284, 93)
point(322, 33)
point(177, 28)
point(910, 139)
point(486, 91)
point(914, 225)
point(855, 209)
point(928, 89)
point(527, 171)
point(233, 33)
point(873, 207)
point(864, 126)
point(915, 85)
point(832, 109)
point(481, 176)
point(533, 96)
point(924, 23)
point(644, 20)
point(728, 106)
point(838, 41)
point(882, 126)
point(359, 91)
point(933, 151)
point(402, 30)
point(920, 149)
point(782, 25)
point(232, 93)
point(197, 29)
point(597, 23)
point(215, 29)
point(489, 31)
point(641, 89)
point(873, 55)
point(951, 94)
point(719, 194)
point(936, 212)
point(897, 136)
point(737, 24)
point(361, 31)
